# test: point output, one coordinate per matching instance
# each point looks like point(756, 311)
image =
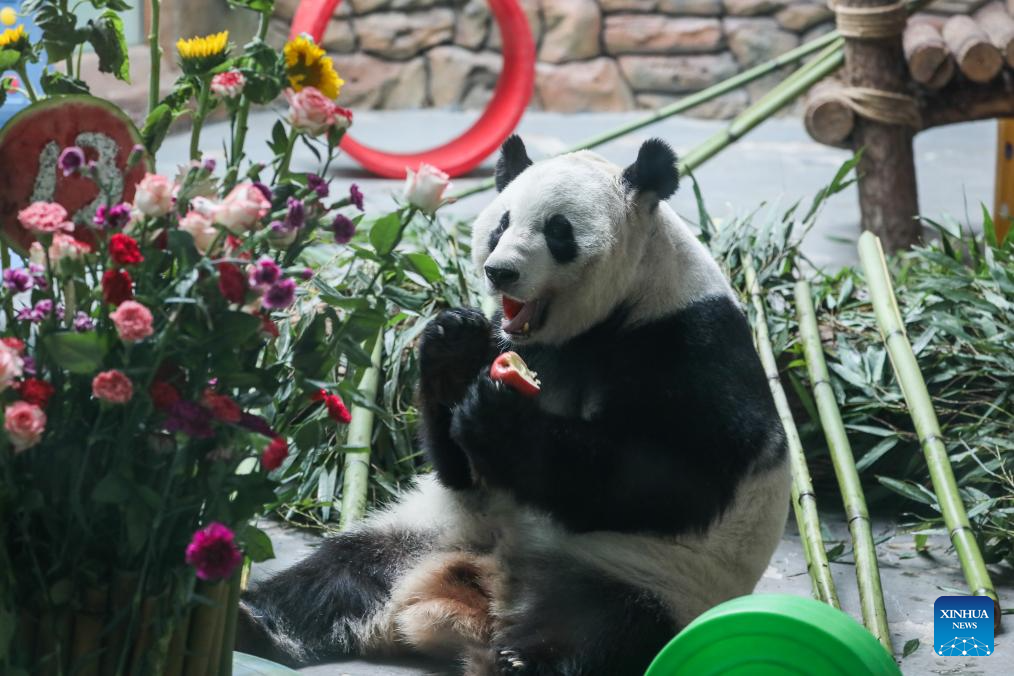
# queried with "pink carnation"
point(133, 321)
point(11, 366)
point(45, 217)
point(229, 84)
point(213, 552)
point(24, 424)
point(112, 386)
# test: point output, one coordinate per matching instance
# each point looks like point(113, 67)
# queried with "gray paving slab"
point(911, 582)
point(777, 163)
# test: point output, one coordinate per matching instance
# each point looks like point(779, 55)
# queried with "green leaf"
point(232, 329)
point(110, 42)
point(425, 266)
point(255, 543)
point(54, 82)
point(112, 489)
point(9, 58)
point(279, 139)
point(910, 647)
point(875, 453)
point(384, 233)
point(910, 490)
point(79, 353)
point(262, 6)
point(118, 5)
point(60, 34)
point(156, 127)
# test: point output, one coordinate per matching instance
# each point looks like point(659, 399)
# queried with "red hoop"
point(464, 153)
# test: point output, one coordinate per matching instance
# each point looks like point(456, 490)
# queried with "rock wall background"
point(592, 54)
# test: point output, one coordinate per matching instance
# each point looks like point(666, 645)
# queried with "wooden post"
point(1004, 207)
point(887, 190)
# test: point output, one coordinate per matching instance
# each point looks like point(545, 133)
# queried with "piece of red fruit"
point(511, 308)
point(510, 369)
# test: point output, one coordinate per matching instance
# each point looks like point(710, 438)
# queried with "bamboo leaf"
point(910, 647)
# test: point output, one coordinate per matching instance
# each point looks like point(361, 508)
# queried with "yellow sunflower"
point(200, 54)
point(307, 65)
point(14, 38)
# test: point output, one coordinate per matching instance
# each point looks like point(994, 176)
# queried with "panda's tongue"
point(516, 315)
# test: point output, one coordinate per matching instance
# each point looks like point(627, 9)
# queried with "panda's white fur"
point(468, 563)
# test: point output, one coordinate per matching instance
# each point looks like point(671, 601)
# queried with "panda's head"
point(561, 243)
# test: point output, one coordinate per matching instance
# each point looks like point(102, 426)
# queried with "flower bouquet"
point(148, 394)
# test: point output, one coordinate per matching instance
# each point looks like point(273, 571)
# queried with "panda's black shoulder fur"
point(682, 415)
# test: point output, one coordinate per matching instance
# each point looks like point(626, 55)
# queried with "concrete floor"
point(777, 164)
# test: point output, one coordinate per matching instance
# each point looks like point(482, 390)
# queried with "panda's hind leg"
point(566, 620)
point(333, 603)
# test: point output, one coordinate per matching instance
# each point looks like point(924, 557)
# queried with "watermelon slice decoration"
point(30, 144)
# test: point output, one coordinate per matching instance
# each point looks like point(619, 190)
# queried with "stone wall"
point(592, 54)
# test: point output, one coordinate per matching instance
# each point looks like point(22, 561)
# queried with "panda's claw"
point(454, 346)
point(510, 662)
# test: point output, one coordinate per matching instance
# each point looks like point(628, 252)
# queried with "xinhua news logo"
point(963, 626)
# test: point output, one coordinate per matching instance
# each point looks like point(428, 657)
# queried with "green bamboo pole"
point(920, 408)
point(154, 92)
point(357, 463)
point(804, 502)
point(871, 596)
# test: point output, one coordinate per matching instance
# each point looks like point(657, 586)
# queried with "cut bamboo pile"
point(927, 427)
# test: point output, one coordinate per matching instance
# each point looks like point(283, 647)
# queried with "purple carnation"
point(28, 365)
point(82, 322)
point(38, 276)
point(318, 185)
point(190, 418)
point(295, 217)
point(306, 274)
point(265, 190)
point(281, 294)
point(209, 165)
point(264, 273)
point(113, 218)
point(213, 552)
point(71, 160)
point(257, 424)
point(344, 229)
point(17, 280)
point(356, 195)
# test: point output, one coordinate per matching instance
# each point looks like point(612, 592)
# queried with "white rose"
point(425, 189)
point(201, 228)
point(154, 195)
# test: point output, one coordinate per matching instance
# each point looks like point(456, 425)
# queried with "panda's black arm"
point(610, 475)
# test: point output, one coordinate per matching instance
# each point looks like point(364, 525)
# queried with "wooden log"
point(202, 652)
point(52, 647)
point(178, 646)
point(929, 61)
point(24, 641)
point(887, 190)
point(995, 22)
point(964, 101)
point(121, 602)
point(89, 621)
point(828, 119)
point(975, 54)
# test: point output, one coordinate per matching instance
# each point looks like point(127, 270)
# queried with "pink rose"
point(310, 111)
point(24, 424)
point(64, 247)
point(425, 189)
point(112, 386)
point(133, 321)
point(242, 209)
point(228, 85)
point(154, 195)
point(11, 366)
point(45, 217)
point(200, 228)
point(342, 118)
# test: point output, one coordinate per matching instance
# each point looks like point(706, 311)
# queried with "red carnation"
point(275, 454)
point(124, 250)
point(117, 286)
point(36, 391)
point(335, 407)
point(222, 406)
point(163, 395)
point(231, 282)
point(17, 344)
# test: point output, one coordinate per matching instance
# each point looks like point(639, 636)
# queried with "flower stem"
point(242, 114)
point(23, 73)
point(156, 57)
point(283, 167)
point(203, 104)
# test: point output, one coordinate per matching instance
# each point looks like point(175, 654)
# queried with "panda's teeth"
point(525, 327)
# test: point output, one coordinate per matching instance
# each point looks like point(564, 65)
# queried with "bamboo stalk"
point(121, 601)
point(52, 647)
point(89, 621)
point(229, 634)
point(201, 653)
point(144, 639)
point(871, 596)
point(920, 407)
point(24, 642)
point(357, 463)
point(804, 502)
point(178, 646)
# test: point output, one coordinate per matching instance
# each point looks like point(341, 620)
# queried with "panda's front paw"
point(492, 424)
point(454, 346)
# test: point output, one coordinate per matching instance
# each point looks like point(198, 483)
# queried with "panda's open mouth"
point(521, 318)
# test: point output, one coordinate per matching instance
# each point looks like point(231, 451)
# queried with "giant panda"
point(576, 532)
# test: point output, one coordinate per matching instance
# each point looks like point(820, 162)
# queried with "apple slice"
point(510, 369)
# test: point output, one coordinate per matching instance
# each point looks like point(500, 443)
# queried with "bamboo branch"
point(804, 502)
point(920, 407)
point(871, 596)
point(357, 463)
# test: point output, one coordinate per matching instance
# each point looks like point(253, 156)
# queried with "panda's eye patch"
point(560, 238)
point(494, 237)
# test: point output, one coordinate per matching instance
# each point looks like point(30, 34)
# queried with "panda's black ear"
point(654, 170)
point(513, 160)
